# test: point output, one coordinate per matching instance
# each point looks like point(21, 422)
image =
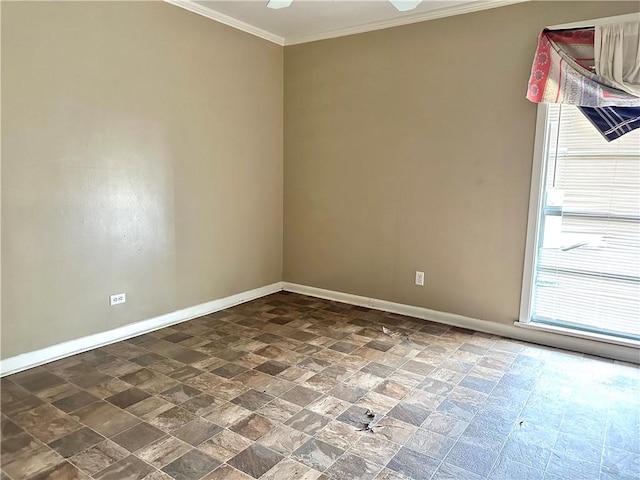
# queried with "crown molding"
point(227, 20)
point(404, 20)
point(367, 27)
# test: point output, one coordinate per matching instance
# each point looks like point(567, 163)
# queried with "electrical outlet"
point(420, 278)
point(116, 299)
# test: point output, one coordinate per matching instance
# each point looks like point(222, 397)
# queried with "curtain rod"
point(631, 17)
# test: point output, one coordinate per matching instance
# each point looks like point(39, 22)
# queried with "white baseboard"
point(549, 338)
point(72, 347)
point(567, 341)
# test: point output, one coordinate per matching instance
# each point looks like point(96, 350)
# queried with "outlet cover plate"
point(117, 299)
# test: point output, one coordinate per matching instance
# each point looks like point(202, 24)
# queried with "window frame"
point(533, 239)
point(538, 171)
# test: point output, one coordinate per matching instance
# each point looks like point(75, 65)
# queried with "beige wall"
point(141, 153)
point(410, 149)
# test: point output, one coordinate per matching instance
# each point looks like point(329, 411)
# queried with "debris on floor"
point(402, 337)
point(391, 333)
point(368, 426)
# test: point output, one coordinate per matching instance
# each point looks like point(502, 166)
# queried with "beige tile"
point(150, 408)
point(163, 451)
point(225, 445)
point(47, 423)
point(375, 448)
point(31, 462)
point(394, 430)
point(105, 418)
point(99, 457)
point(225, 472)
point(284, 440)
point(339, 434)
point(329, 406)
point(289, 468)
point(279, 410)
point(227, 414)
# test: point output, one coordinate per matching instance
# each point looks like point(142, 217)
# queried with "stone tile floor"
point(292, 387)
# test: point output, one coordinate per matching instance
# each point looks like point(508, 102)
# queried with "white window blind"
point(587, 273)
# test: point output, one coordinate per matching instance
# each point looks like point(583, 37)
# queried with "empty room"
point(320, 240)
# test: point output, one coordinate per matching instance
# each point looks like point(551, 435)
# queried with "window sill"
point(579, 334)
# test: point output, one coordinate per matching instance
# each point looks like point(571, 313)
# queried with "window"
point(583, 251)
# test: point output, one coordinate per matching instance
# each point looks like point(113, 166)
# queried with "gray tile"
point(252, 400)
point(197, 431)
point(450, 472)
point(413, 464)
point(409, 413)
point(480, 384)
point(191, 465)
point(74, 401)
point(229, 370)
point(307, 421)
point(507, 469)
point(357, 417)
point(317, 454)
point(76, 442)
point(354, 468)
point(272, 367)
point(431, 443)
point(461, 410)
point(445, 425)
point(9, 428)
point(127, 397)
point(343, 346)
point(580, 446)
point(180, 394)
point(472, 458)
point(378, 369)
point(347, 393)
point(527, 453)
point(255, 460)
point(201, 404)
point(301, 396)
point(566, 465)
point(480, 435)
point(36, 380)
point(620, 464)
point(138, 436)
point(129, 468)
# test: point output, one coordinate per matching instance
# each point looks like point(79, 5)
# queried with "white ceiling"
point(309, 20)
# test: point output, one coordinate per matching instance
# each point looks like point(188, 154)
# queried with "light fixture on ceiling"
point(276, 4)
point(401, 5)
point(405, 5)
